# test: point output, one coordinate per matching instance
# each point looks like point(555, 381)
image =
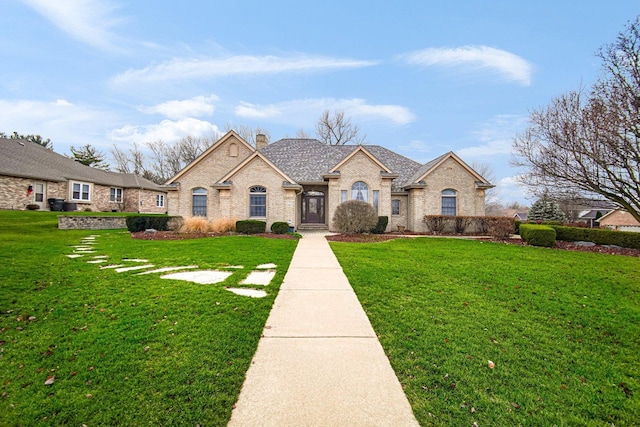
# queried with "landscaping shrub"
point(538, 235)
point(196, 224)
point(137, 223)
point(280, 227)
point(516, 224)
point(355, 216)
point(33, 207)
point(435, 223)
point(175, 223)
point(223, 225)
point(381, 226)
point(251, 226)
point(600, 236)
point(499, 227)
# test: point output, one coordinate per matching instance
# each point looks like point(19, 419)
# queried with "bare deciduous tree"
point(585, 144)
point(338, 129)
point(247, 133)
point(493, 207)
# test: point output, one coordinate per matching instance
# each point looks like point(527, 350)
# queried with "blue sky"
point(419, 77)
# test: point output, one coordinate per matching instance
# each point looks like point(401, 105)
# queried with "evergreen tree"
point(545, 209)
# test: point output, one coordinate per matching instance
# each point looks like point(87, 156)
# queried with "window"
point(360, 191)
point(199, 202)
point(257, 202)
point(343, 196)
point(80, 191)
point(449, 202)
point(115, 195)
point(160, 200)
point(395, 207)
point(376, 196)
point(39, 196)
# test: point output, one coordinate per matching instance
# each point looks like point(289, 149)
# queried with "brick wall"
point(90, 222)
point(209, 169)
point(13, 192)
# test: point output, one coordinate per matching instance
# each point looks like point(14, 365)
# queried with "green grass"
point(124, 349)
point(563, 329)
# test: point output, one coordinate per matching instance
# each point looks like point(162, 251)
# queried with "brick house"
point(301, 181)
point(30, 174)
point(619, 219)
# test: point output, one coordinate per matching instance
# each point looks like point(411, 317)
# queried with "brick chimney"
point(261, 141)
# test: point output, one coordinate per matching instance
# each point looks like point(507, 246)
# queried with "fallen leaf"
point(491, 364)
point(473, 410)
point(146, 349)
point(515, 405)
point(89, 396)
point(50, 380)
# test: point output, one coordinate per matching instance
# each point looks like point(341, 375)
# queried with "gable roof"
point(206, 152)
point(308, 160)
point(257, 154)
point(26, 159)
point(429, 167)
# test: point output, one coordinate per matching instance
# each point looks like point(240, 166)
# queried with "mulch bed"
point(375, 238)
point(173, 235)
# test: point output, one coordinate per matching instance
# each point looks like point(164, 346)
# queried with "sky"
point(418, 77)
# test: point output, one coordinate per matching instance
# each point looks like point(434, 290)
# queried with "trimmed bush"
point(599, 236)
point(251, 226)
point(381, 226)
point(355, 216)
point(280, 227)
point(517, 224)
point(538, 235)
point(137, 223)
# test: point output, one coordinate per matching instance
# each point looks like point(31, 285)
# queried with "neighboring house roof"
point(522, 216)
point(593, 213)
point(26, 159)
point(309, 160)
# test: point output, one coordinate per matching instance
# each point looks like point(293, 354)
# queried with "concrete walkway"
point(319, 362)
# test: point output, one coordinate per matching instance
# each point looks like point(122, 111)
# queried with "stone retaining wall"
point(91, 222)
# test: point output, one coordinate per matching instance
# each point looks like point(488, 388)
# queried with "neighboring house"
point(592, 217)
point(621, 220)
point(302, 181)
point(521, 216)
point(30, 174)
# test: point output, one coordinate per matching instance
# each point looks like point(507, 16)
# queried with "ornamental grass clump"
point(196, 224)
point(355, 216)
point(223, 225)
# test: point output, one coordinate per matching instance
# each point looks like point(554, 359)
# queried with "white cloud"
point(496, 136)
point(204, 68)
point(509, 189)
point(471, 59)
point(180, 109)
point(89, 21)
point(64, 122)
point(166, 130)
point(308, 110)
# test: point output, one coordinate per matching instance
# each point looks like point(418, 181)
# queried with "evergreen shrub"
point(538, 235)
point(381, 226)
point(250, 226)
point(280, 227)
point(137, 223)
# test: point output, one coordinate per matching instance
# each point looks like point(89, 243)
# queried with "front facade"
point(31, 175)
point(302, 181)
point(621, 220)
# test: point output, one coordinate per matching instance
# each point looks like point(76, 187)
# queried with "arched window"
point(233, 150)
point(360, 191)
point(199, 202)
point(449, 203)
point(258, 202)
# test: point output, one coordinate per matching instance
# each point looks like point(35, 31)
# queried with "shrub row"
point(137, 223)
point(250, 226)
point(599, 236)
point(538, 235)
point(496, 226)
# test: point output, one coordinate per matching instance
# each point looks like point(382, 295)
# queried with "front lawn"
point(561, 328)
point(121, 348)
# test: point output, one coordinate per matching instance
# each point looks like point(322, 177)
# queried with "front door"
point(313, 207)
point(40, 194)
